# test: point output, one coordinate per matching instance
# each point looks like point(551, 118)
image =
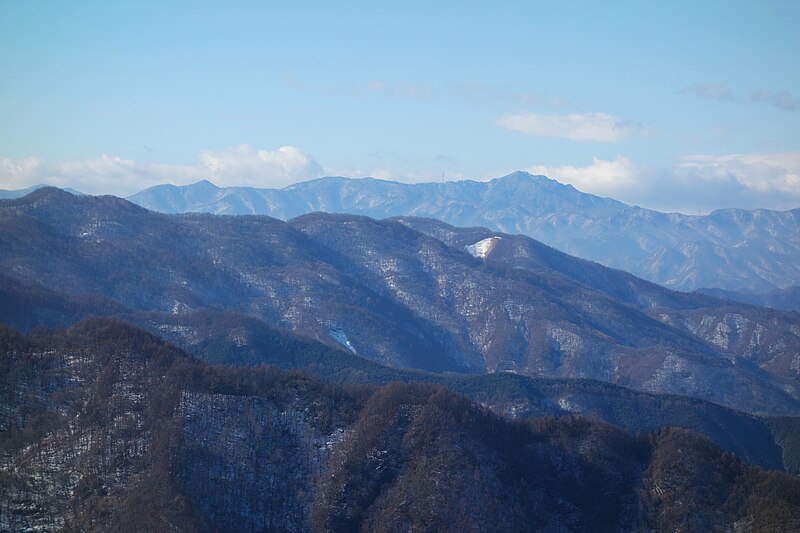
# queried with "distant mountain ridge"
point(10, 194)
point(732, 249)
point(787, 299)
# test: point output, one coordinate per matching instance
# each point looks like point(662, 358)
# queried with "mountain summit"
point(731, 249)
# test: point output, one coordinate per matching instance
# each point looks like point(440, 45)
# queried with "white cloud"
point(611, 178)
point(240, 165)
point(709, 91)
point(100, 175)
point(576, 126)
point(17, 173)
point(765, 174)
point(694, 184)
point(245, 165)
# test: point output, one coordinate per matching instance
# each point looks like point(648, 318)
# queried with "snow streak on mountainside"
point(729, 249)
point(483, 247)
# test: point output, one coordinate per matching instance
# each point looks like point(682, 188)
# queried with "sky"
point(678, 106)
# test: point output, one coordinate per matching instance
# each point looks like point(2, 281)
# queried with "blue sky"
point(677, 105)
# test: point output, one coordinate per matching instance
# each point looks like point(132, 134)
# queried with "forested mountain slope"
point(403, 297)
point(105, 427)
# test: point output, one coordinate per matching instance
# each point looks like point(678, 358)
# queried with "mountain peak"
point(46, 193)
point(204, 184)
point(521, 175)
point(517, 174)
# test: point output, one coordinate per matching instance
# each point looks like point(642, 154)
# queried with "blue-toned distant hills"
point(10, 194)
point(732, 249)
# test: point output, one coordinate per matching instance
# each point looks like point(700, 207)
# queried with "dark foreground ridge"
point(105, 427)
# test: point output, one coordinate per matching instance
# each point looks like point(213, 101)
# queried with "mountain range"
point(730, 249)
point(408, 293)
point(431, 377)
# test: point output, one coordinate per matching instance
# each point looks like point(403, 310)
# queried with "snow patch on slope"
point(482, 248)
point(339, 336)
